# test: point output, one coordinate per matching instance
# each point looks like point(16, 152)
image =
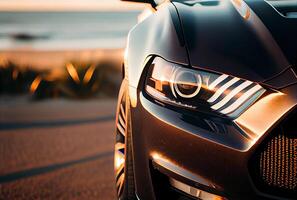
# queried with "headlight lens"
point(200, 90)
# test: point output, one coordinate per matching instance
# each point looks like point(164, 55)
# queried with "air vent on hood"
point(287, 8)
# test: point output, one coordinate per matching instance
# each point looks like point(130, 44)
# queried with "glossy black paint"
point(214, 36)
point(220, 39)
point(221, 157)
point(156, 35)
point(217, 38)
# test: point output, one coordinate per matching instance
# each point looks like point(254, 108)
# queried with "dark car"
point(207, 106)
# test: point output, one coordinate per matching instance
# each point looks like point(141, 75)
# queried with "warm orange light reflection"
point(89, 74)
point(133, 96)
point(73, 73)
point(157, 156)
point(242, 8)
point(119, 160)
point(3, 62)
point(15, 74)
point(35, 84)
point(172, 166)
point(219, 198)
point(262, 32)
point(265, 113)
point(54, 75)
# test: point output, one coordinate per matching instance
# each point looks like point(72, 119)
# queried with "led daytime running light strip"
point(246, 90)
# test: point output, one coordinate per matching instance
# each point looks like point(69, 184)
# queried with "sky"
point(72, 5)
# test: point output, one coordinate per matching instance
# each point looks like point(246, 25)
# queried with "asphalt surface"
point(56, 149)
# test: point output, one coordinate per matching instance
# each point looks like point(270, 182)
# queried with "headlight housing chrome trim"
point(200, 90)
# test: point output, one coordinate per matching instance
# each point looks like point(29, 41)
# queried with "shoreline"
point(52, 59)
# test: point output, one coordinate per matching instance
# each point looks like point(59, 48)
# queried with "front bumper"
point(205, 152)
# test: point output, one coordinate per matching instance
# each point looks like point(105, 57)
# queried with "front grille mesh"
point(278, 163)
point(273, 167)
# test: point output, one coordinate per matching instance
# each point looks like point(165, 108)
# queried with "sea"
point(65, 30)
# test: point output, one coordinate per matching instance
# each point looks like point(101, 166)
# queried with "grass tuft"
point(74, 80)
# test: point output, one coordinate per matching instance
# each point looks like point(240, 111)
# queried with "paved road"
point(56, 149)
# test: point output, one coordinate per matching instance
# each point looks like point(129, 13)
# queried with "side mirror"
point(151, 2)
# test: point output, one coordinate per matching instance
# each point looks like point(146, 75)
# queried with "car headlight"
point(200, 90)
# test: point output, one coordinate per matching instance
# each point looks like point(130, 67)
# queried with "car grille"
point(274, 165)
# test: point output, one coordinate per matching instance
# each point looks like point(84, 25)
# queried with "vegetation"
point(75, 80)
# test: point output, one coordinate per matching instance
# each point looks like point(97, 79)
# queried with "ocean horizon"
point(46, 31)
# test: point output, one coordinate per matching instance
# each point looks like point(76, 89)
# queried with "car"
point(207, 105)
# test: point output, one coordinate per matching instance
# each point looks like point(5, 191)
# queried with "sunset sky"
point(61, 5)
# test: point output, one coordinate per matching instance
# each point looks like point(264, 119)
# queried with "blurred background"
point(60, 72)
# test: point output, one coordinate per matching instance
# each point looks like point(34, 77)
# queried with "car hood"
point(250, 39)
